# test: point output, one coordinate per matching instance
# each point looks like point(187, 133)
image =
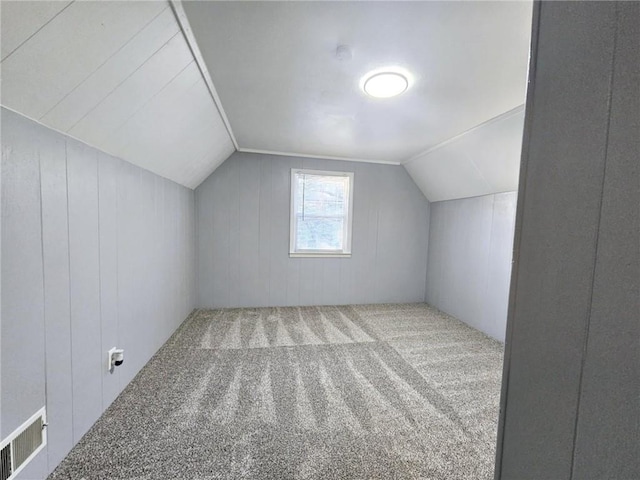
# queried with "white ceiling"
point(117, 75)
point(138, 79)
point(284, 90)
point(481, 161)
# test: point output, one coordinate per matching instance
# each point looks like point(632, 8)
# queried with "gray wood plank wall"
point(571, 388)
point(242, 213)
point(469, 265)
point(96, 253)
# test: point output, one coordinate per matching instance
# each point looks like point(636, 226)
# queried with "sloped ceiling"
point(176, 87)
point(284, 89)
point(119, 76)
point(481, 161)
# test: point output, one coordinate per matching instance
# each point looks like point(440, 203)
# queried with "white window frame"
point(346, 251)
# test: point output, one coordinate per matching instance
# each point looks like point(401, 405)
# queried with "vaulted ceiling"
point(285, 89)
point(176, 87)
point(119, 76)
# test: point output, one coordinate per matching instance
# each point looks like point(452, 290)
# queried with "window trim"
point(345, 252)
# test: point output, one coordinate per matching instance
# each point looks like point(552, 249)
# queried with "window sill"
point(319, 255)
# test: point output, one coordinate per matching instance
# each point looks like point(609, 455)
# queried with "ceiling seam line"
point(36, 32)
point(192, 170)
point(492, 120)
point(122, 82)
point(319, 157)
point(171, 80)
point(144, 104)
point(99, 67)
point(477, 169)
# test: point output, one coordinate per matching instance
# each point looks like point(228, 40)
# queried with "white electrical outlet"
point(115, 357)
point(110, 365)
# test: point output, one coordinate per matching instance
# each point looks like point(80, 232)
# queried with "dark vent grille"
point(5, 462)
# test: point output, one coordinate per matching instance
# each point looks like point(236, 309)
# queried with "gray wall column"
point(571, 386)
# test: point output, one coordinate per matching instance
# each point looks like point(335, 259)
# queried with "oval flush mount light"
point(385, 83)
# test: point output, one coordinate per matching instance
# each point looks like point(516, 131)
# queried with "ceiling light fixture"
point(385, 83)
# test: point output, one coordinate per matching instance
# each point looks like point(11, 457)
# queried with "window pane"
point(321, 195)
point(319, 233)
point(320, 212)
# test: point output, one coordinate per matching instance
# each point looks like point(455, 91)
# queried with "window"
point(321, 206)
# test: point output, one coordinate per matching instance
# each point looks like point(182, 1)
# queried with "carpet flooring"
point(349, 392)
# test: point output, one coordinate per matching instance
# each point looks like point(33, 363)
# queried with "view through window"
point(321, 204)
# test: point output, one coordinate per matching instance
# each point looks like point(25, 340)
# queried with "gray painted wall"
point(469, 265)
point(96, 253)
point(242, 214)
point(1, 196)
point(571, 387)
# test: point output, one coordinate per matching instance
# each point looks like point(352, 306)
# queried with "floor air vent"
point(22, 445)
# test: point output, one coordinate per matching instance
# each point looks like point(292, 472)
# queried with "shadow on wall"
point(469, 264)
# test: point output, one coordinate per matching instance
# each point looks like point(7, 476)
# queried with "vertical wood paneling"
point(126, 286)
point(329, 278)
point(182, 259)
point(183, 256)
point(469, 259)
point(286, 284)
point(496, 297)
point(394, 273)
point(221, 246)
point(389, 237)
point(23, 334)
point(145, 272)
point(248, 239)
point(264, 257)
point(191, 247)
point(248, 200)
point(316, 266)
point(371, 280)
point(362, 253)
point(2, 155)
point(156, 284)
point(112, 265)
point(608, 427)
point(188, 243)
point(346, 270)
point(434, 263)
point(204, 228)
point(563, 166)
point(55, 241)
point(172, 269)
point(165, 316)
point(108, 169)
point(305, 281)
point(131, 333)
point(420, 217)
point(234, 235)
point(168, 269)
point(84, 261)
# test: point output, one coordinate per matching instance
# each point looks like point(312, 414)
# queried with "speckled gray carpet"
point(353, 392)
